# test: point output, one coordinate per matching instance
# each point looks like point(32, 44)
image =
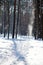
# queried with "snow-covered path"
point(6, 56)
point(21, 52)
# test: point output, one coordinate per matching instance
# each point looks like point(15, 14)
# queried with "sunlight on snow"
point(21, 51)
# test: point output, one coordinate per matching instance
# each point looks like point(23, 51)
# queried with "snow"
point(21, 51)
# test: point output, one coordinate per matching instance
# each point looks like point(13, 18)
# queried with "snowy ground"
point(21, 51)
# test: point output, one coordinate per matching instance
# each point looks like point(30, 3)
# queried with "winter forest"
point(21, 17)
point(21, 32)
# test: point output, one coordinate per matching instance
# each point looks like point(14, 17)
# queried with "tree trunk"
point(17, 18)
point(8, 20)
point(4, 17)
point(36, 24)
point(14, 19)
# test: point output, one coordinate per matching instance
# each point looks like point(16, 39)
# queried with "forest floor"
point(21, 51)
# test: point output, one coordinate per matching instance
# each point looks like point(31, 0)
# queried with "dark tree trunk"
point(36, 24)
point(14, 19)
point(4, 17)
point(41, 20)
point(8, 20)
point(42, 26)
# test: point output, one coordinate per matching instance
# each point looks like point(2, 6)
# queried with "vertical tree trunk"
point(17, 18)
point(41, 20)
point(8, 20)
point(19, 31)
point(36, 18)
point(14, 19)
point(4, 17)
